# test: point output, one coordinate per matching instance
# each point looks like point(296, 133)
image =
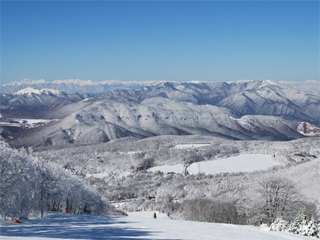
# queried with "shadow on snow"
point(59, 225)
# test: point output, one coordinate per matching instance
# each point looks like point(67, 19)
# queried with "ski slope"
point(138, 225)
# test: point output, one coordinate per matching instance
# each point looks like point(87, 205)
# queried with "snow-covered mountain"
point(262, 97)
point(30, 98)
point(234, 110)
point(103, 120)
point(71, 86)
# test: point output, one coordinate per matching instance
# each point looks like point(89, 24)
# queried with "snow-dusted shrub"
point(279, 225)
point(302, 226)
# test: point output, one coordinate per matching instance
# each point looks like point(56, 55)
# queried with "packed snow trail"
point(138, 225)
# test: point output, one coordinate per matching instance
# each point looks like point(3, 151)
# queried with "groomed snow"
point(138, 225)
point(240, 163)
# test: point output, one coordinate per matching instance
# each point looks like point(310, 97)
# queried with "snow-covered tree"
point(302, 226)
point(279, 224)
point(17, 186)
point(28, 184)
point(273, 197)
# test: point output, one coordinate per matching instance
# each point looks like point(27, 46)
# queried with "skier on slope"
point(154, 215)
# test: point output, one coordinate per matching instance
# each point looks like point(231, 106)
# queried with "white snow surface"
point(30, 90)
point(195, 145)
point(240, 163)
point(138, 225)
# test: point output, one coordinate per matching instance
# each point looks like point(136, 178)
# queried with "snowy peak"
point(269, 82)
point(246, 85)
point(30, 91)
point(37, 99)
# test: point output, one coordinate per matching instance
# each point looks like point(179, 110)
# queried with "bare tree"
point(279, 196)
point(210, 210)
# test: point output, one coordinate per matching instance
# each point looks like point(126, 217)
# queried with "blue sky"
point(160, 40)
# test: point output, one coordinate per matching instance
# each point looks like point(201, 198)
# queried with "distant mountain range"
point(74, 85)
point(89, 112)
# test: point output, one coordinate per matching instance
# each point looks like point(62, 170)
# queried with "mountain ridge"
point(241, 110)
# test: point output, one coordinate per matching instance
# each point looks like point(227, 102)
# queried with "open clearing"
point(240, 163)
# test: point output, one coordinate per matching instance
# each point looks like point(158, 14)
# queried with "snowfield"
point(240, 163)
point(138, 225)
point(186, 146)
